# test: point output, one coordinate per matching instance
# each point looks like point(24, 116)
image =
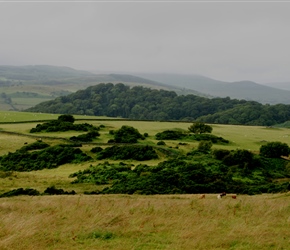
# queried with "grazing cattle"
point(202, 196)
point(39, 139)
point(221, 195)
point(25, 143)
point(234, 196)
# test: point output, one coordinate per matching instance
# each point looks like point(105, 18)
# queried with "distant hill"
point(246, 90)
point(40, 73)
point(27, 86)
point(279, 85)
point(143, 103)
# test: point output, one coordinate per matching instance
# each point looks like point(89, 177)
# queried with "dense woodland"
point(147, 104)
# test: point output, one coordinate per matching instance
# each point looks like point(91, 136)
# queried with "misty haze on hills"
point(227, 41)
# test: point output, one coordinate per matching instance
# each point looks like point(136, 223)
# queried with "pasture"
point(145, 222)
point(134, 221)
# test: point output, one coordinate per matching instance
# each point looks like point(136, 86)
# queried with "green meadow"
point(134, 221)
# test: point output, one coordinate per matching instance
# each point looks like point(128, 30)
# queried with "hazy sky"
point(224, 40)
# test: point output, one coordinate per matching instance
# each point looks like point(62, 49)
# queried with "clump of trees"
point(127, 134)
point(147, 104)
point(201, 133)
point(200, 128)
point(63, 123)
point(49, 157)
point(88, 137)
point(103, 173)
point(238, 171)
point(170, 135)
point(275, 149)
point(134, 152)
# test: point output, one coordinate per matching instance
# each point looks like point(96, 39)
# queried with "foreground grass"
point(145, 222)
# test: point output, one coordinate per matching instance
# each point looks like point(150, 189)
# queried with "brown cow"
point(202, 196)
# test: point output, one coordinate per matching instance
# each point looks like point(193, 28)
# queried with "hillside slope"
point(27, 86)
point(246, 90)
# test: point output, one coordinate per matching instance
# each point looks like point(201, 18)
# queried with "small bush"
point(170, 135)
point(55, 191)
point(20, 191)
point(96, 149)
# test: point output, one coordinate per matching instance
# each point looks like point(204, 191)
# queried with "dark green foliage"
point(88, 137)
point(63, 123)
point(137, 152)
point(245, 161)
point(274, 149)
point(200, 128)
point(238, 171)
point(127, 134)
point(96, 149)
point(176, 135)
point(20, 191)
point(66, 118)
point(208, 137)
point(221, 153)
point(170, 177)
point(170, 135)
point(50, 157)
point(161, 143)
point(34, 146)
point(55, 191)
point(204, 146)
point(103, 173)
point(148, 104)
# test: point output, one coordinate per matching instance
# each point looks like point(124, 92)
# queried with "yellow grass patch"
point(145, 222)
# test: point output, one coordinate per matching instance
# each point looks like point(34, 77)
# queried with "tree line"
point(142, 103)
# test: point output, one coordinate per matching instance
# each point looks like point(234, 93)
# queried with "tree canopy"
point(200, 128)
point(275, 149)
point(142, 103)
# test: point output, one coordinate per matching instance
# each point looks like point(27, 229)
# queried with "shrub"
point(209, 137)
point(220, 154)
point(20, 191)
point(161, 143)
point(50, 157)
point(204, 146)
point(55, 191)
point(127, 134)
point(96, 149)
point(199, 128)
point(274, 150)
point(139, 153)
point(170, 135)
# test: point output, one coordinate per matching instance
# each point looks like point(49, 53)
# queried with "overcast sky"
point(228, 41)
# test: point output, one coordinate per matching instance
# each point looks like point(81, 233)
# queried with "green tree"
point(274, 149)
point(127, 134)
point(66, 118)
point(199, 128)
point(204, 146)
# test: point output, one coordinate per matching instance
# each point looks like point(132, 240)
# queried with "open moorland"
point(122, 221)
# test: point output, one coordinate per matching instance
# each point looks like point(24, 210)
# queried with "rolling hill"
point(26, 86)
point(246, 90)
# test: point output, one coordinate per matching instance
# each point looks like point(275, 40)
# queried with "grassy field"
point(145, 222)
point(135, 222)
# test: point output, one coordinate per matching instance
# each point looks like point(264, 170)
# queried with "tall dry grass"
point(145, 222)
